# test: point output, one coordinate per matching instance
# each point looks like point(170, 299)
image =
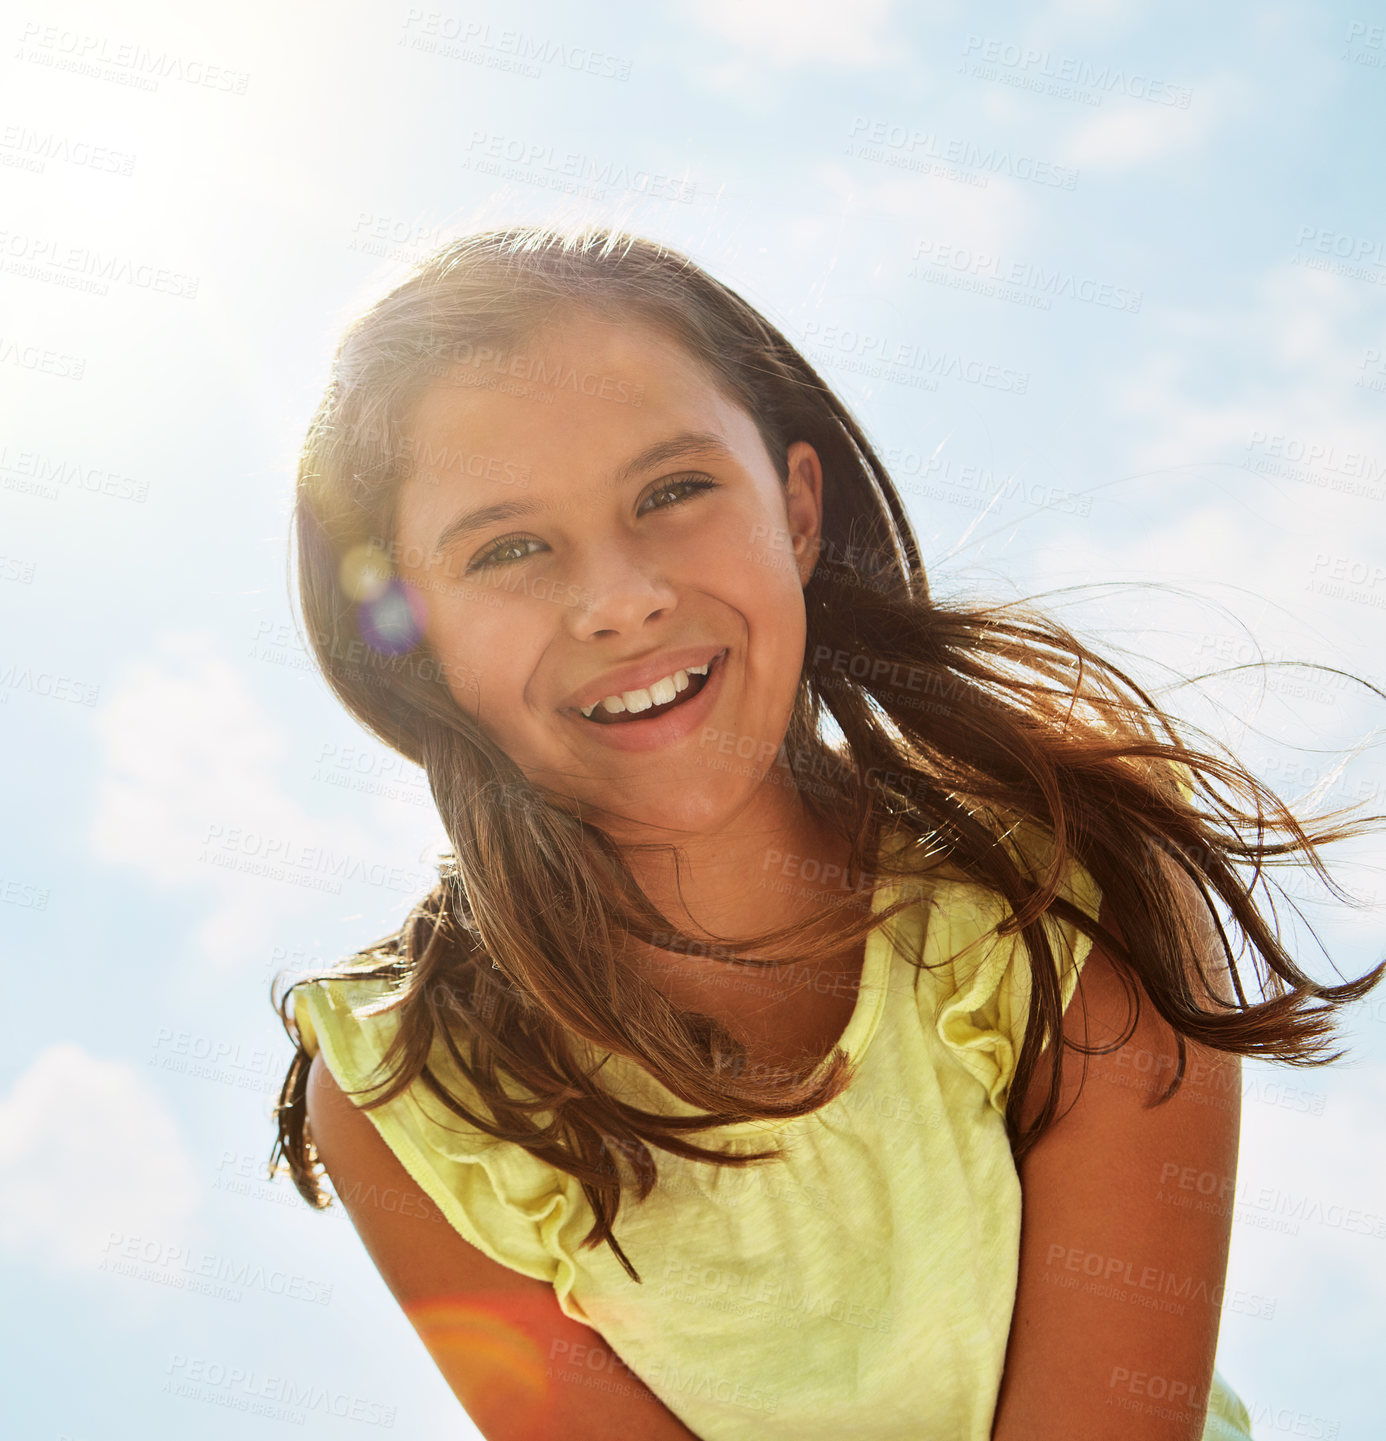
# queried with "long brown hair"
point(957, 721)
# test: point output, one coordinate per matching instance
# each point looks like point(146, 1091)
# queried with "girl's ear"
point(804, 506)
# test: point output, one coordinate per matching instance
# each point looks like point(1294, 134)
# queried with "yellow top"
point(861, 1286)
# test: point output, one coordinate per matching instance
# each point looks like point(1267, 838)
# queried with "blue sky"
point(1104, 283)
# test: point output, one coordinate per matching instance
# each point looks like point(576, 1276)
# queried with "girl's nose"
point(616, 588)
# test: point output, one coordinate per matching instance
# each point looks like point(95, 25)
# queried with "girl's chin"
point(670, 807)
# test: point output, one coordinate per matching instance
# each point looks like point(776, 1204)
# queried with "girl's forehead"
point(587, 377)
point(586, 356)
point(580, 406)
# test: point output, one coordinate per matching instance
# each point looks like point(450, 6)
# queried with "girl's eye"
point(491, 557)
point(688, 485)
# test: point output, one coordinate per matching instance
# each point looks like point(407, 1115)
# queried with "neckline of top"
point(856, 1036)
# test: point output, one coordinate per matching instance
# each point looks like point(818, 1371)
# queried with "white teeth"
point(660, 693)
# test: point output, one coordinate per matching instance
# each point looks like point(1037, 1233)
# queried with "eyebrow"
point(677, 447)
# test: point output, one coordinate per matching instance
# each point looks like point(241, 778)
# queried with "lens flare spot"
point(364, 573)
point(393, 622)
point(495, 1362)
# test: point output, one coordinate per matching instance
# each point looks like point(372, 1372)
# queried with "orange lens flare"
point(491, 1361)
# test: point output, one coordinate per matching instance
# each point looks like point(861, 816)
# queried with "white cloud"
point(183, 741)
point(991, 219)
point(1296, 318)
point(1126, 133)
point(87, 1149)
point(1185, 504)
point(1135, 137)
point(1328, 1247)
point(191, 794)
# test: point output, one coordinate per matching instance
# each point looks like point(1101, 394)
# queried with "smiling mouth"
point(602, 717)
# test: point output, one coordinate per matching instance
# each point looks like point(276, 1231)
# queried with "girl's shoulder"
point(975, 985)
point(355, 1004)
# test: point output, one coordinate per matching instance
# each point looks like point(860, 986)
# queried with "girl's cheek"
point(726, 546)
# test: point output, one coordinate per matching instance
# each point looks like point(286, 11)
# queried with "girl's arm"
point(522, 1369)
point(1126, 1225)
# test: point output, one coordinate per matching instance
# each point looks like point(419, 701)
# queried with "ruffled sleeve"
point(980, 992)
point(516, 1209)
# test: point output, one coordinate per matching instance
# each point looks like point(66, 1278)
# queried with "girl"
point(584, 536)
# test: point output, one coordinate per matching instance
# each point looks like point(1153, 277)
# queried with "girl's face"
point(638, 528)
